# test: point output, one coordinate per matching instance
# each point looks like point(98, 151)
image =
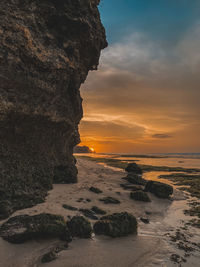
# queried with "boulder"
point(159, 189)
point(22, 228)
point(134, 168)
point(80, 227)
point(116, 225)
point(140, 196)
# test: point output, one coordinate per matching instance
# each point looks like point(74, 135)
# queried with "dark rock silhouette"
point(22, 228)
point(140, 196)
point(109, 200)
point(97, 210)
point(116, 225)
point(159, 189)
point(135, 179)
point(46, 51)
point(80, 227)
point(82, 149)
point(131, 187)
point(133, 168)
point(95, 190)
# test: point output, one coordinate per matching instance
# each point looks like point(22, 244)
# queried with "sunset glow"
point(145, 96)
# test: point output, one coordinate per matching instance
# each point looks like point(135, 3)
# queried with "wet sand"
point(151, 247)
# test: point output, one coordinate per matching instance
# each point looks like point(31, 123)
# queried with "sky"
point(145, 96)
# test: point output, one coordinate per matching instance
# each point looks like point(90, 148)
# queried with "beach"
point(153, 246)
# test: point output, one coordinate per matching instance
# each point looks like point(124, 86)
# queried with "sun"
point(92, 149)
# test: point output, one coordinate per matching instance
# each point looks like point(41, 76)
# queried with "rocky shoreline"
point(76, 211)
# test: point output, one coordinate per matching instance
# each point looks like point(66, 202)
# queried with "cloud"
point(141, 83)
point(161, 136)
point(111, 130)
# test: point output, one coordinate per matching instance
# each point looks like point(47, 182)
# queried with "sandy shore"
point(151, 247)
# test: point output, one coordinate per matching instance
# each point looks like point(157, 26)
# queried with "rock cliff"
point(47, 48)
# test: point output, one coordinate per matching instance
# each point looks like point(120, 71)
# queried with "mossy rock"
point(140, 196)
point(159, 189)
point(116, 225)
point(80, 227)
point(22, 228)
point(134, 168)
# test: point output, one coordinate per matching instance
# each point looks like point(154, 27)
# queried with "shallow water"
point(178, 160)
point(152, 247)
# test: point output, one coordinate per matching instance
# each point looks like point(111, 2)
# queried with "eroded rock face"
point(47, 48)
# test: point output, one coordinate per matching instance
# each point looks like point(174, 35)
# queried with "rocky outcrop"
point(135, 179)
point(22, 228)
point(47, 48)
point(116, 225)
point(80, 227)
point(159, 189)
point(140, 196)
point(133, 168)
